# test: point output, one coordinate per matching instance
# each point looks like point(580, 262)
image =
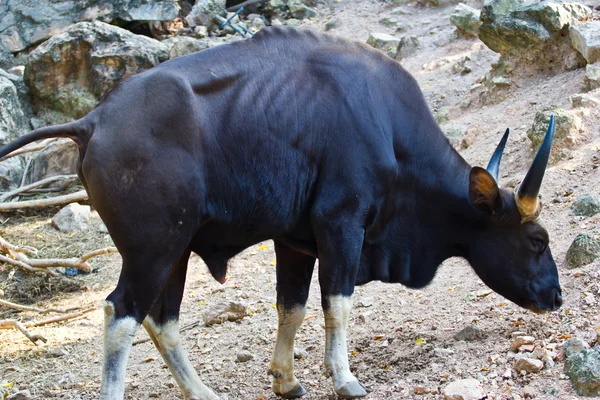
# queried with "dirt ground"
point(400, 339)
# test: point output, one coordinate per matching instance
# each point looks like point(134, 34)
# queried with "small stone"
point(574, 345)
point(464, 389)
point(389, 21)
point(19, 70)
point(441, 352)
point(527, 348)
point(507, 374)
point(584, 100)
point(71, 218)
point(592, 76)
point(501, 81)
point(229, 311)
point(584, 249)
point(586, 205)
point(332, 24)
point(529, 365)
point(443, 115)
point(383, 41)
point(420, 390)
point(244, 356)
point(300, 353)
point(528, 392)
point(469, 333)
point(20, 395)
point(407, 46)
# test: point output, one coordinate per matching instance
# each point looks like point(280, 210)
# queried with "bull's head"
point(510, 248)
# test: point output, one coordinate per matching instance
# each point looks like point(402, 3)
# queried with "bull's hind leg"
point(143, 276)
point(340, 247)
point(294, 271)
point(163, 328)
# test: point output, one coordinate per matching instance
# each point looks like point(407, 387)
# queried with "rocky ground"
point(404, 343)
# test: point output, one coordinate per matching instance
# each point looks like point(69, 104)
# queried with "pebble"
point(300, 353)
point(528, 392)
point(469, 333)
point(20, 395)
point(520, 341)
point(529, 365)
point(244, 356)
point(464, 389)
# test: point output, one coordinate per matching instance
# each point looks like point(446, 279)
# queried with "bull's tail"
point(79, 131)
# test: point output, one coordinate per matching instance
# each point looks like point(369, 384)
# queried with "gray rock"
point(205, 13)
point(389, 21)
point(584, 249)
point(229, 311)
point(442, 115)
point(586, 39)
point(384, 42)
point(24, 23)
point(464, 389)
point(528, 364)
point(244, 356)
point(532, 31)
point(591, 79)
point(186, 45)
point(12, 118)
point(469, 333)
point(333, 23)
point(568, 130)
point(441, 352)
point(72, 71)
point(20, 395)
point(58, 158)
point(586, 205)
point(574, 345)
point(11, 172)
point(584, 100)
point(466, 19)
point(583, 368)
point(408, 46)
point(364, 302)
point(297, 9)
point(6, 57)
point(71, 218)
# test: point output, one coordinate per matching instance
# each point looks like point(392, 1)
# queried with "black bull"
point(323, 145)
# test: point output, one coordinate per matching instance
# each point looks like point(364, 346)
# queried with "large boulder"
point(58, 158)
point(27, 22)
point(6, 57)
point(71, 218)
point(583, 368)
point(72, 71)
point(466, 19)
point(586, 39)
point(12, 119)
point(533, 31)
point(205, 13)
point(11, 172)
point(584, 249)
point(591, 79)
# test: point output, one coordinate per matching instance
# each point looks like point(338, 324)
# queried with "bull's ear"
point(483, 190)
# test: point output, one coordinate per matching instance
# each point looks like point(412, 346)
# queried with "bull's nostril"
point(557, 300)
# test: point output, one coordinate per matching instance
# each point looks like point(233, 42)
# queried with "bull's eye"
point(539, 245)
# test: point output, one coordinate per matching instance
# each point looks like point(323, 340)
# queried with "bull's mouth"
point(537, 309)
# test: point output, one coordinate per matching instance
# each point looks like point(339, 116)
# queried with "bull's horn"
point(527, 194)
point(494, 165)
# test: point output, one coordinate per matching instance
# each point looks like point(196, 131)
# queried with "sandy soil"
point(398, 335)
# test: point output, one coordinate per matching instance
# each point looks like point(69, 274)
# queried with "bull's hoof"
point(296, 392)
point(351, 390)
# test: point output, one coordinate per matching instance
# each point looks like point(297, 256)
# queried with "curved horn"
point(494, 165)
point(527, 194)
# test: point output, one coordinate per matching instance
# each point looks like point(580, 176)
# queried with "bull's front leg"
point(294, 272)
point(339, 257)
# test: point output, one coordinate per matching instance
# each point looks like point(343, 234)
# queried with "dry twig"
point(53, 201)
point(61, 318)
point(21, 307)
point(40, 183)
point(12, 323)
